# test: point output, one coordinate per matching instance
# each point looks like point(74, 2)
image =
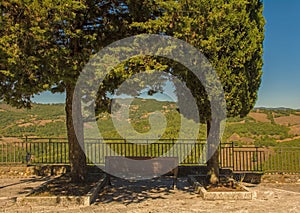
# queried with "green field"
point(274, 129)
point(45, 120)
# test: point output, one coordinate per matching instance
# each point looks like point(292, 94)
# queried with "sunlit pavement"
point(155, 195)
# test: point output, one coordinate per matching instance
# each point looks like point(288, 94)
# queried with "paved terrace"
point(155, 196)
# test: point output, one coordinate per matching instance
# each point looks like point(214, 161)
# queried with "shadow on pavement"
point(131, 191)
point(31, 180)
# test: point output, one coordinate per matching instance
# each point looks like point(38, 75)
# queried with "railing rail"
point(282, 160)
point(190, 152)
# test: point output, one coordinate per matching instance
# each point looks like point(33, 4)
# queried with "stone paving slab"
point(218, 195)
point(17, 187)
point(84, 200)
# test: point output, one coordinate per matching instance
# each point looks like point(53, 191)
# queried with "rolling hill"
point(262, 126)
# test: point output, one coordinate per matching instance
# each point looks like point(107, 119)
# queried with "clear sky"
point(281, 78)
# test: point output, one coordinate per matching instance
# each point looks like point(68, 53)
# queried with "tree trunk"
point(213, 144)
point(77, 156)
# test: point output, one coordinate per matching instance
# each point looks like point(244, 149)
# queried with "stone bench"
point(139, 168)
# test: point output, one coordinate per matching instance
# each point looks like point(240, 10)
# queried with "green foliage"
point(266, 141)
point(230, 34)
point(42, 120)
point(140, 110)
point(264, 134)
point(283, 112)
point(49, 111)
point(54, 129)
point(11, 121)
point(292, 143)
point(270, 117)
point(45, 44)
point(282, 159)
point(259, 129)
point(279, 112)
point(239, 119)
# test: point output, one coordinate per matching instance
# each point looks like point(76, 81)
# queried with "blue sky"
point(280, 83)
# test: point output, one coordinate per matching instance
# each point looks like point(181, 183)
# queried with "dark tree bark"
point(213, 144)
point(77, 156)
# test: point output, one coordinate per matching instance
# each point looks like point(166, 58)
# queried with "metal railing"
point(189, 152)
point(282, 160)
point(35, 151)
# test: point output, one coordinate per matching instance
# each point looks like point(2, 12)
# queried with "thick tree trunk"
point(77, 156)
point(213, 143)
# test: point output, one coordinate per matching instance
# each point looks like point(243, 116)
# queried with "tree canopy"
point(229, 33)
point(44, 45)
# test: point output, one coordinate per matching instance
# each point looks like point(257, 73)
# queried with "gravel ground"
point(157, 196)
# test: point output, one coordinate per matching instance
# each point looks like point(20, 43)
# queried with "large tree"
point(230, 34)
point(44, 45)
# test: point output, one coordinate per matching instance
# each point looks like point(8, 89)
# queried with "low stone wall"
point(281, 178)
point(53, 170)
point(220, 195)
point(25, 171)
point(16, 171)
point(39, 170)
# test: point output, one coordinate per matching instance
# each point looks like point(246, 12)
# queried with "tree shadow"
point(22, 186)
point(31, 180)
point(132, 191)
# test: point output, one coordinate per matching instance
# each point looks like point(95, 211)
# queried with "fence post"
point(14, 147)
point(50, 152)
point(281, 159)
point(26, 144)
point(125, 146)
point(220, 155)
point(173, 142)
point(147, 147)
point(264, 165)
point(256, 158)
point(232, 147)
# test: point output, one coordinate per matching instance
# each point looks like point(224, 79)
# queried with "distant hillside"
point(265, 127)
point(275, 108)
point(43, 120)
point(261, 127)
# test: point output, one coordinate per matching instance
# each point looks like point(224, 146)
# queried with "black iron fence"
point(34, 151)
point(189, 152)
point(282, 159)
